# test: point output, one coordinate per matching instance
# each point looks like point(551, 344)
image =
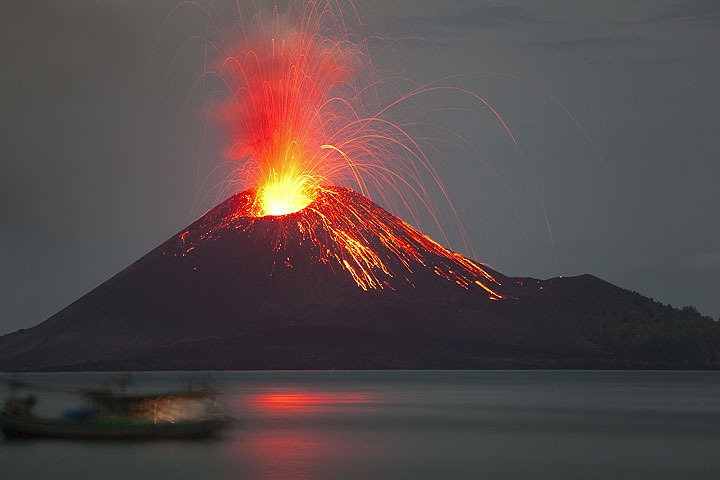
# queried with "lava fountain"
point(304, 111)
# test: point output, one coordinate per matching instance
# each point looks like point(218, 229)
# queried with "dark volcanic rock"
point(233, 292)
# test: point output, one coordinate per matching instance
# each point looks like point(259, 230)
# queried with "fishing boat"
point(113, 414)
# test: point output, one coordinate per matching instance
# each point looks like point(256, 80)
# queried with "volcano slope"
point(343, 284)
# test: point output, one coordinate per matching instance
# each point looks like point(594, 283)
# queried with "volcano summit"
point(340, 284)
point(333, 269)
point(340, 232)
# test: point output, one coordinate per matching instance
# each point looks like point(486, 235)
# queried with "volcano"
point(341, 284)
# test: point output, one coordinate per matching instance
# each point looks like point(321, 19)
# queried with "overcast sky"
point(105, 150)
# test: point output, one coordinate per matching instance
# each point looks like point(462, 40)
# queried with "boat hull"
point(14, 426)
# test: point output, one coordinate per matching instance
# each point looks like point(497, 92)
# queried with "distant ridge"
point(233, 292)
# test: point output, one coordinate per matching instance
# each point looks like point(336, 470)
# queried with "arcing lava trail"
point(304, 110)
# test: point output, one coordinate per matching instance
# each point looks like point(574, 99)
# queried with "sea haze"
point(409, 425)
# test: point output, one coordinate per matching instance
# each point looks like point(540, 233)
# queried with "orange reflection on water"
point(300, 433)
point(276, 402)
point(295, 453)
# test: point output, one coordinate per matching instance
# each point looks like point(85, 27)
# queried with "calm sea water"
point(411, 425)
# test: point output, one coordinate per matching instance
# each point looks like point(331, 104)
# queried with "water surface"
point(409, 425)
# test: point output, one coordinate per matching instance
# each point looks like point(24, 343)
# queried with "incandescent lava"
point(348, 234)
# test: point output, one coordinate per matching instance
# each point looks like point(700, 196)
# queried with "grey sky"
point(105, 153)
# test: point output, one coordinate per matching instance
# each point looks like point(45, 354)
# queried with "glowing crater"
point(282, 195)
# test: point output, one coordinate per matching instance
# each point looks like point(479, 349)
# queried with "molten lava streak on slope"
point(305, 111)
point(377, 249)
